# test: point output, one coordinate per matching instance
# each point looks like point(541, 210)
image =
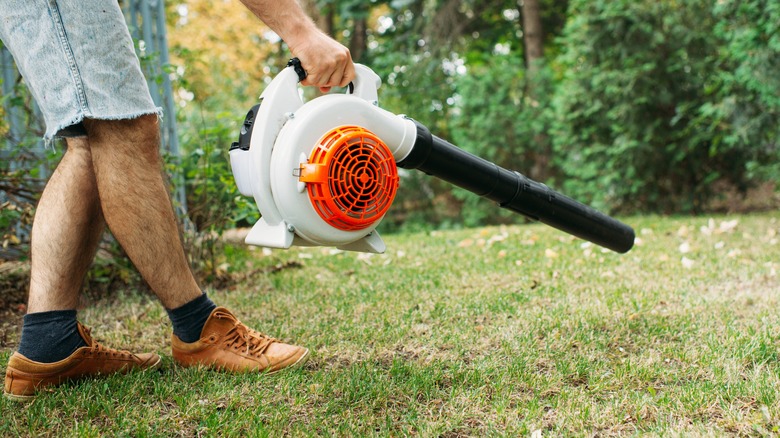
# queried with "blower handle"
point(295, 63)
point(514, 191)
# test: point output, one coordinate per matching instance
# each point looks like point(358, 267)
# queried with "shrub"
point(647, 106)
point(213, 201)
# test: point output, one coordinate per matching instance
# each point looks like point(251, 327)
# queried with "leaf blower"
point(325, 172)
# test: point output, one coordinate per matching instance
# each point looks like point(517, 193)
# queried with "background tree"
point(533, 37)
point(645, 108)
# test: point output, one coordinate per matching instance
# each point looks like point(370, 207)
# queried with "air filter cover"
point(351, 178)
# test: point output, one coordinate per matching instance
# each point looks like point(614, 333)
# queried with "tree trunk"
point(533, 36)
point(533, 42)
point(328, 20)
point(358, 42)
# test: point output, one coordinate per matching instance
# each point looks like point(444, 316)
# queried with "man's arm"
point(327, 63)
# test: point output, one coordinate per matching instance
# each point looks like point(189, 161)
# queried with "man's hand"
point(327, 63)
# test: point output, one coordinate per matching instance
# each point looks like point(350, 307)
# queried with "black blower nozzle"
point(516, 192)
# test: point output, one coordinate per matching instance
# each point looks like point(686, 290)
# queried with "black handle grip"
point(514, 191)
point(295, 63)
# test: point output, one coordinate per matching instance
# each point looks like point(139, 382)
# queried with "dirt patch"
point(763, 197)
point(14, 283)
point(745, 294)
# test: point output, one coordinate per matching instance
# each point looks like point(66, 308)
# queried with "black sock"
point(50, 336)
point(189, 319)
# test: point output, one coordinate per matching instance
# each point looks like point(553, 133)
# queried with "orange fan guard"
point(351, 178)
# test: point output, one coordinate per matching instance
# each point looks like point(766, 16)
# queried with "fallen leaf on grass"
point(722, 228)
point(497, 238)
point(466, 243)
point(728, 226)
point(365, 257)
point(733, 253)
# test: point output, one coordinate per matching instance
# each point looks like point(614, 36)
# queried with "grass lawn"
point(509, 331)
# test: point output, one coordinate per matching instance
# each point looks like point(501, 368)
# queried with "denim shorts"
point(77, 59)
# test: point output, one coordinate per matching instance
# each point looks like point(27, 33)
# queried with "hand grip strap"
point(295, 63)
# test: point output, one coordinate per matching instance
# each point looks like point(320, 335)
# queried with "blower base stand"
point(282, 235)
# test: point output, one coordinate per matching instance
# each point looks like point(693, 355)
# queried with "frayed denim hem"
point(52, 135)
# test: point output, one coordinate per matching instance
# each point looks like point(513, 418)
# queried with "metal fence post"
point(146, 19)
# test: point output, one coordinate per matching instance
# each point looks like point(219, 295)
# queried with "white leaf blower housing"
point(323, 172)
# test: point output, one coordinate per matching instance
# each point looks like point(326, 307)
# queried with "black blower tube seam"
point(514, 191)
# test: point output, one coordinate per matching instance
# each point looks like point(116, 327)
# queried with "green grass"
point(495, 331)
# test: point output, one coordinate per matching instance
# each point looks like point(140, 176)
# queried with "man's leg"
point(138, 211)
point(137, 207)
point(67, 229)
point(66, 232)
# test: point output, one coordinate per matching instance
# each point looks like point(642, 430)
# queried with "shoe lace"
point(242, 336)
point(98, 349)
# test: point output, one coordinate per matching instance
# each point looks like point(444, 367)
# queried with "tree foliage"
point(221, 54)
point(636, 106)
point(747, 85)
point(639, 106)
point(647, 105)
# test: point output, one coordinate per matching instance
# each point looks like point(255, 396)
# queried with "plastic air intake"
point(516, 192)
point(351, 178)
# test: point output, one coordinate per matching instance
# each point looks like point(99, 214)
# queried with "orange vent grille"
point(351, 178)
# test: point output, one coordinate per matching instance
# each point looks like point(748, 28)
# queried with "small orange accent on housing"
point(351, 178)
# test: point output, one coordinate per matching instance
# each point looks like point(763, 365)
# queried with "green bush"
point(213, 201)
point(648, 118)
point(503, 116)
point(24, 168)
point(748, 85)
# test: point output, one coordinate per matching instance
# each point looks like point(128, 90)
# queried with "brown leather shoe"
point(23, 377)
point(228, 345)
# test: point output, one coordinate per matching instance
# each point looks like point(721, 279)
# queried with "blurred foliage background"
point(632, 106)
